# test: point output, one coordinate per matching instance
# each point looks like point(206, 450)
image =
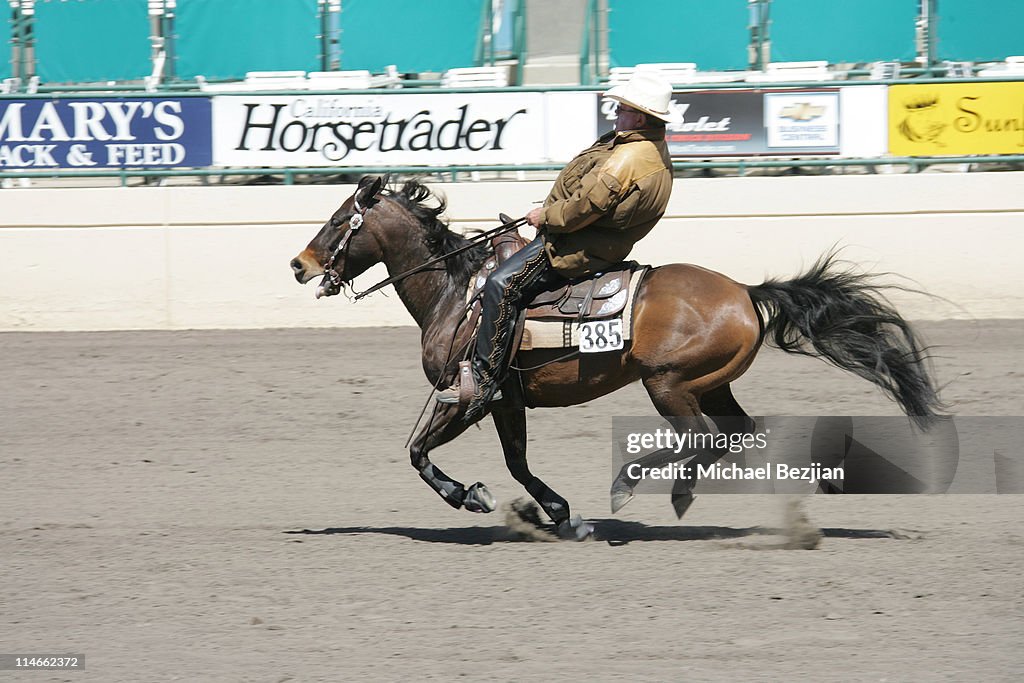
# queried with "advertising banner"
point(953, 118)
point(864, 121)
point(359, 130)
point(748, 123)
point(808, 121)
point(156, 132)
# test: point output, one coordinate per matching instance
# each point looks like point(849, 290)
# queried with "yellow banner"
point(952, 119)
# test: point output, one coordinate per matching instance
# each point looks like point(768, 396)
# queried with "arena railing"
point(290, 174)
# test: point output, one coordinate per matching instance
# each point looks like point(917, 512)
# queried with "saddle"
point(551, 320)
point(588, 298)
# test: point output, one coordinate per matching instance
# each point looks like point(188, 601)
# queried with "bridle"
point(331, 275)
point(332, 282)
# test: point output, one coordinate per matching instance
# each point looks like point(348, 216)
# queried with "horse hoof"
point(575, 529)
point(619, 498)
point(681, 502)
point(479, 499)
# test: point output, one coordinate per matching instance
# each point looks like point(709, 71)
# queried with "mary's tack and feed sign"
point(76, 133)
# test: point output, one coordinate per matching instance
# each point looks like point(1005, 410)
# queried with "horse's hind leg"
point(444, 425)
point(675, 400)
point(720, 405)
point(510, 421)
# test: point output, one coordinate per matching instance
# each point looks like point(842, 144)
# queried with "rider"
point(602, 202)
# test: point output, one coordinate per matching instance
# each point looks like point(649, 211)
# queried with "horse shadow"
point(614, 532)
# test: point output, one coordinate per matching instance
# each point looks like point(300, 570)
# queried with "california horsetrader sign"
point(358, 130)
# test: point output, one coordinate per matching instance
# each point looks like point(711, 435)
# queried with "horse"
point(694, 332)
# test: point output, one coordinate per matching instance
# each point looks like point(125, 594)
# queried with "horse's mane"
point(427, 207)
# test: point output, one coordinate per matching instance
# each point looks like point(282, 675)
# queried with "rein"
point(473, 242)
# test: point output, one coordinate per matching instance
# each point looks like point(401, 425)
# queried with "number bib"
point(601, 335)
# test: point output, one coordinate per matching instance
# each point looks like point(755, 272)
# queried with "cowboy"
point(602, 202)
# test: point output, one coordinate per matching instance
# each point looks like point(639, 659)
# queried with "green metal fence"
point(290, 175)
point(97, 41)
point(719, 34)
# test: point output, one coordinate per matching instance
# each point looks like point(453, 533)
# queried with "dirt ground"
point(238, 506)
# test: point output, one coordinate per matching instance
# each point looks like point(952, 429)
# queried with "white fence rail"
point(217, 257)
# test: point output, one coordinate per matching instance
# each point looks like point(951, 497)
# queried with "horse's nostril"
point(296, 265)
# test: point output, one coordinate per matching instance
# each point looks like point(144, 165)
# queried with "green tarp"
point(414, 35)
point(223, 39)
point(6, 29)
point(843, 32)
point(973, 31)
point(713, 34)
point(80, 41)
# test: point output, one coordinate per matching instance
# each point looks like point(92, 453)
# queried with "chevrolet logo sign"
point(802, 111)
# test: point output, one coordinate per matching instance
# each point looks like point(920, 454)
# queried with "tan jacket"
point(605, 200)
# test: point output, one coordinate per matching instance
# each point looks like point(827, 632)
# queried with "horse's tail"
point(842, 317)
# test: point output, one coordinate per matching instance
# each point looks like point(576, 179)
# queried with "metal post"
point(932, 7)
point(341, 35)
point(766, 37)
point(519, 40)
point(758, 25)
point(322, 9)
point(486, 57)
point(21, 31)
point(927, 34)
point(753, 23)
point(586, 75)
point(16, 40)
point(167, 31)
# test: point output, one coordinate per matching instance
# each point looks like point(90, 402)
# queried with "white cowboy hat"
point(648, 92)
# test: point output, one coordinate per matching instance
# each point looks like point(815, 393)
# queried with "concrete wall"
point(209, 257)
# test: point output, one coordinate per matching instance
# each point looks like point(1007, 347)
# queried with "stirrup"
point(464, 388)
point(451, 395)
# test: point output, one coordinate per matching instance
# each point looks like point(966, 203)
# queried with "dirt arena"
point(238, 506)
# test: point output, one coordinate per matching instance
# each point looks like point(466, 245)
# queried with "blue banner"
point(134, 132)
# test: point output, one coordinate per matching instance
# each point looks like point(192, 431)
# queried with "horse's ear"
point(368, 190)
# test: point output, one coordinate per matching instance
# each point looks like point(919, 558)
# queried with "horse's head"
point(345, 246)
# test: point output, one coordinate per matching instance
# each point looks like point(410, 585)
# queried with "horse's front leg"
point(443, 426)
point(510, 420)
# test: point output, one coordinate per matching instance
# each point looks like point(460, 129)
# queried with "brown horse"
point(694, 332)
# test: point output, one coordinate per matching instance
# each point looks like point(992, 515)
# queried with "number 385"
point(601, 335)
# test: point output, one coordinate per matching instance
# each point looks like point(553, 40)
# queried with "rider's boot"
point(472, 386)
point(520, 277)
